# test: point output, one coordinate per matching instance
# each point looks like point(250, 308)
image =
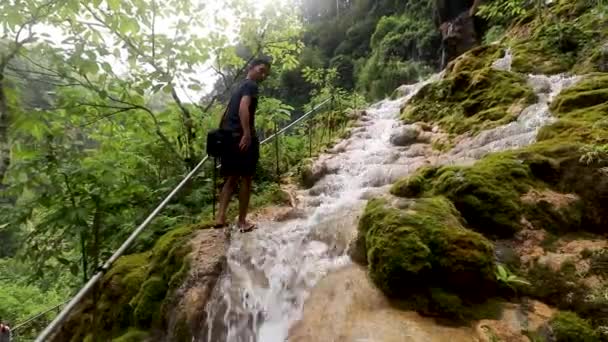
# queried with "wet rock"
point(311, 173)
point(291, 214)
point(514, 320)
point(345, 306)
point(405, 136)
point(418, 150)
point(338, 232)
point(355, 114)
point(187, 315)
point(356, 251)
point(459, 35)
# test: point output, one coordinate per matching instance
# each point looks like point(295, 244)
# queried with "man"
point(240, 159)
point(5, 333)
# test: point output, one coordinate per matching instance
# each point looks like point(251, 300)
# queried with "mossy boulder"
point(545, 184)
point(569, 327)
point(487, 194)
point(561, 166)
point(475, 59)
point(134, 292)
point(470, 100)
point(412, 245)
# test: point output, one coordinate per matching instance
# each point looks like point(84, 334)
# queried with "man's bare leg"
point(225, 195)
point(244, 196)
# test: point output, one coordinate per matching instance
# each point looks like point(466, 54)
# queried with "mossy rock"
point(148, 300)
point(491, 194)
point(422, 243)
point(582, 111)
point(134, 291)
point(569, 327)
point(556, 44)
point(530, 57)
point(487, 194)
point(132, 336)
point(471, 101)
point(477, 58)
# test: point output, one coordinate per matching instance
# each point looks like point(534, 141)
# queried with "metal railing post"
point(276, 152)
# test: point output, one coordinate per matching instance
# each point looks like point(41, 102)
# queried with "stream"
point(272, 270)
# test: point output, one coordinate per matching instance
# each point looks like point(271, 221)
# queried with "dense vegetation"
point(102, 112)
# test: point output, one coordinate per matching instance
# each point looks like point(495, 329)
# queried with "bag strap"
point(224, 116)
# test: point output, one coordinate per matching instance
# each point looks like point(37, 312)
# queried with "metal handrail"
point(63, 315)
point(19, 326)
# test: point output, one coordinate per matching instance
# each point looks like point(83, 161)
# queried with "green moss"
point(132, 336)
point(487, 194)
point(531, 58)
point(135, 291)
point(475, 59)
point(470, 101)
point(569, 327)
point(490, 194)
point(422, 243)
point(558, 42)
point(148, 300)
point(414, 185)
point(558, 288)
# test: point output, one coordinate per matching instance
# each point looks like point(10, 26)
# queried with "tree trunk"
point(5, 148)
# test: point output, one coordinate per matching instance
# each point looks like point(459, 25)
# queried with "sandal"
point(249, 227)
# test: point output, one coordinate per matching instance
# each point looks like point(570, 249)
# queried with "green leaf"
point(114, 5)
point(156, 88)
point(168, 88)
point(502, 272)
point(106, 67)
point(129, 26)
point(63, 261)
point(74, 269)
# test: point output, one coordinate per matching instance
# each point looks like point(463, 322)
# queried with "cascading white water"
point(520, 132)
point(272, 270)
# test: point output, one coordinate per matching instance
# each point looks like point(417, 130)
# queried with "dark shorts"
point(238, 163)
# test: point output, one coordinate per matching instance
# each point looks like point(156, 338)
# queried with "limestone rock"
point(311, 173)
point(207, 260)
point(406, 135)
point(345, 307)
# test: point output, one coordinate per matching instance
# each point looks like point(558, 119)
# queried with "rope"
point(63, 315)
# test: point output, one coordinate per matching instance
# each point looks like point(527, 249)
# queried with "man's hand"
point(245, 142)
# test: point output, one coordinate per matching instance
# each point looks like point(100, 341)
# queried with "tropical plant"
point(505, 276)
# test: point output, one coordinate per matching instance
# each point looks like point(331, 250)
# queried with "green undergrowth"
point(469, 99)
point(568, 37)
point(567, 326)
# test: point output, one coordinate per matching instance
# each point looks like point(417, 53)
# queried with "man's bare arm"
point(244, 115)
